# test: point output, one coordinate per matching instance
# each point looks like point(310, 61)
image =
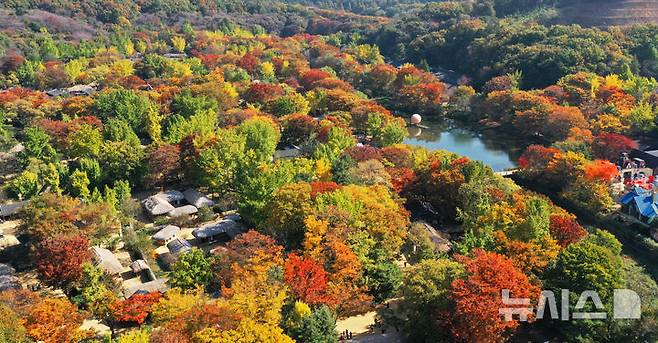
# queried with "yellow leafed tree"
point(178, 43)
point(175, 302)
point(248, 331)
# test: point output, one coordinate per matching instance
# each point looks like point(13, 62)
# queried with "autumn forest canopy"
point(236, 171)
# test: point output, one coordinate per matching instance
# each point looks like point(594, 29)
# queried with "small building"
point(159, 285)
point(287, 152)
point(196, 198)
point(175, 56)
point(77, 90)
point(55, 92)
point(647, 158)
point(641, 203)
point(82, 90)
point(441, 243)
point(172, 196)
point(8, 280)
point(166, 234)
point(10, 211)
point(106, 260)
point(179, 246)
point(222, 231)
point(157, 205)
point(183, 210)
point(139, 266)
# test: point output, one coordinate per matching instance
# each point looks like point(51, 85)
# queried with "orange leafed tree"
point(478, 297)
point(244, 249)
point(198, 318)
point(135, 309)
point(54, 320)
point(600, 170)
point(425, 98)
point(307, 278)
point(321, 187)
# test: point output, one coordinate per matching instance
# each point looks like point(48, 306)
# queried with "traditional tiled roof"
point(179, 246)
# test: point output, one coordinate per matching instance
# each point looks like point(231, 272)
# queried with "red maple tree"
point(263, 92)
point(401, 178)
point(310, 77)
point(364, 153)
point(307, 278)
point(59, 260)
point(566, 230)
point(134, 309)
point(478, 297)
point(249, 62)
point(536, 157)
point(609, 146)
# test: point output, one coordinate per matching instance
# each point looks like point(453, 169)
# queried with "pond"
point(500, 154)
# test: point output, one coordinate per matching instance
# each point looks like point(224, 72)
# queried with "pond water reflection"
point(498, 153)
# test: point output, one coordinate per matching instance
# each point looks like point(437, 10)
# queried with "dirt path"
point(357, 324)
point(360, 327)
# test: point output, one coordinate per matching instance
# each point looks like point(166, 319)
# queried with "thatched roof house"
point(106, 260)
point(77, 90)
point(225, 231)
point(172, 196)
point(8, 282)
point(287, 152)
point(166, 234)
point(183, 210)
point(6, 269)
point(157, 205)
point(159, 285)
point(197, 198)
point(7, 279)
point(441, 243)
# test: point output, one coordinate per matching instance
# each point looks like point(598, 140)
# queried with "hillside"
point(609, 13)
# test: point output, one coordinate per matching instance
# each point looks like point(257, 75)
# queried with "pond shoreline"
point(492, 146)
